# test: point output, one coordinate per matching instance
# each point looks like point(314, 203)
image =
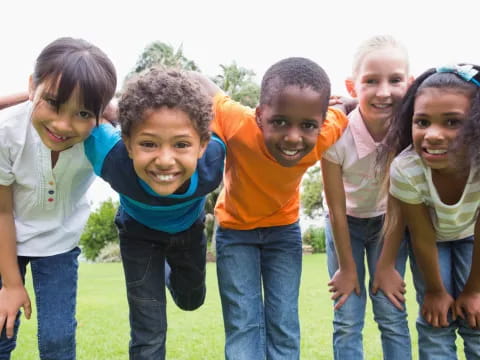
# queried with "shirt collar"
point(364, 142)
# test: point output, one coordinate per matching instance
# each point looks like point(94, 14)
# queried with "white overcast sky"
point(254, 33)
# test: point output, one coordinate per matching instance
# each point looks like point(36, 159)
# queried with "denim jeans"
point(455, 260)
point(152, 260)
point(250, 262)
point(55, 285)
point(349, 320)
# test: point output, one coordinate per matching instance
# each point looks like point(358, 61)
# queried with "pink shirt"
point(356, 152)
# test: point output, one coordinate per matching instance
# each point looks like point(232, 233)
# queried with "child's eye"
point(279, 122)
point(51, 101)
point(310, 126)
point(421, 123)
point(371, 81)
point(147, 144)
point(454, 123)
point(396, 80)
point(182, 145)
point(85, 114)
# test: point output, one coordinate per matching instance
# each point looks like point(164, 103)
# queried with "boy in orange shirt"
point(259, 245)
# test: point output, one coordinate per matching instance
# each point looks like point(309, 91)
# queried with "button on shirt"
point(50, 206)
point(356, 153)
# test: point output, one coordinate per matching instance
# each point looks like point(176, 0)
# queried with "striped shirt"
point(411, 182)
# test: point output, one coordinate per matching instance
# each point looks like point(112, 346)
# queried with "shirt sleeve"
point(401, 186)
point(332, 128)
point(7, 177)
point(228, 116)
point(100, 142)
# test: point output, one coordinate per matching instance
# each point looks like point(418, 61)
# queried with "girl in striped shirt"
point(435, 182)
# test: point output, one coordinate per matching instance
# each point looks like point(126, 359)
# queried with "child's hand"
point(110, 113)
point(343, 103)
point(342, 284)
point(436, 306)
point(467, 306)
point(391, 283)
point(11, 300)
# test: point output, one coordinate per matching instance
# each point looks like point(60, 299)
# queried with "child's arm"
point(345, 280)
point(208, 85)
point(437, 300)
point(467, 305)
point(10, 100)
point(13, 294)
point(386, 277)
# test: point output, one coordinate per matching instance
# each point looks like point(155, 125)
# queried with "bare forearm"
point(10, 100)
point(473, 281)
point(8, 252)
point(341, 235)
point(208, 85)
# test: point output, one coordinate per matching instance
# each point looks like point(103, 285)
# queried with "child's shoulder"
point(15, 123)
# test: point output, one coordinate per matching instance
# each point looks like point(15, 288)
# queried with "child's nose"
point(293, 135)
point(383, 89)
point(164, 158)
point(434, 134)
point(63, 123)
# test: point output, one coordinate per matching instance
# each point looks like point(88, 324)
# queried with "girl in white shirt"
point(436, 184)
point(379, 80)
point(44, 175)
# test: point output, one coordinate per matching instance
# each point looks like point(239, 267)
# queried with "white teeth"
point(290, 152)
point(382, 106)
point(436, 151)
point(165, 177)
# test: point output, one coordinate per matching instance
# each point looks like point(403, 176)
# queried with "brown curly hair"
point(156, 88)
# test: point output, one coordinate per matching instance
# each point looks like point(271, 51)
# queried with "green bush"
point(315, 237)
point(100, 229)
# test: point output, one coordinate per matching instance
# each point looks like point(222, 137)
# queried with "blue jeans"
point(250, 262)
point(455, 260)
point(152, 260)
point(55, 285)
point(349, 320)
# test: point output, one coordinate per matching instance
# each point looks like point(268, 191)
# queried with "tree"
point(238, 83)
point(312, 187)
point(160, 53)
point(100, 229)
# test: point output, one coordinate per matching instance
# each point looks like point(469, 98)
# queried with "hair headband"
point(466, 72)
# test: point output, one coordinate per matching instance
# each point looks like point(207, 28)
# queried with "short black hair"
point(76, 62)
point(156, 88)
point(294, 71)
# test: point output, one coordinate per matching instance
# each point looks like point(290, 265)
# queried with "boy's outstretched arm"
point(467, 305)
point(437, 301)
point(386, 277)
point(13, 99)
point(13, 294)
point(345, 279)
point(208, 85)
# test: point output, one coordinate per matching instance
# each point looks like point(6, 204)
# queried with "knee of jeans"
point(191, 301)
point(384, 309)
point(349, 316)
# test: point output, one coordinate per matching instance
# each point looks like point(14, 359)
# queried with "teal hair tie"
point(466, 72)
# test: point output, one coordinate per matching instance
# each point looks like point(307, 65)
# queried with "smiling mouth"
point(56, 137)
point(382, 106)
point(435, 151)
point(163, 178)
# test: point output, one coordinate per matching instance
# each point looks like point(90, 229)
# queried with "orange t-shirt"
point(258, 191)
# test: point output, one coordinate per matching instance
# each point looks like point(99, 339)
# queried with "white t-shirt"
point(50, 206)
point(411, 182)
point(356, 153)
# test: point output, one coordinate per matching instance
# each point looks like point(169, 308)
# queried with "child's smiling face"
point(438, 116)
point(165, 148)
point(291, 123)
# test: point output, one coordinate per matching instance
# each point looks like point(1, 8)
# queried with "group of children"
point(400, 179)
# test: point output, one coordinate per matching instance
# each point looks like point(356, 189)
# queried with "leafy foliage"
point(238, 83)
point(161, 54)
point(312, 187)
point(100, 229)
point(315, 237)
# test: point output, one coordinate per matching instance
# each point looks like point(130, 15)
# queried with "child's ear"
point(31, 88)
point(126, 141)
point(350, 85)
point(258, 116)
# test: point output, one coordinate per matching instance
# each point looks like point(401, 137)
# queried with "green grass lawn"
point(103, 330)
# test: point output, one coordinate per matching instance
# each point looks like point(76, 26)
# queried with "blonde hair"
point(377, 42)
